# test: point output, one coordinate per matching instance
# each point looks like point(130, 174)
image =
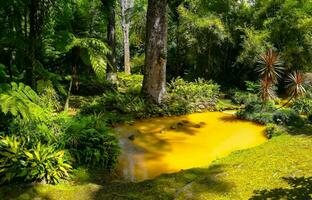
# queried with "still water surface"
point(170, 144)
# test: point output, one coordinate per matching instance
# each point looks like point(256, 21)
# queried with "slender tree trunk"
point(33, 36)
point(111, 72)
point(68, 94)
point(126, 6)
point(154, 84)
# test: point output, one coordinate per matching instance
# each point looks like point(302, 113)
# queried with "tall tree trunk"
point(111, 71)
point(154, 83)
point(33, 36)
point(126, 6)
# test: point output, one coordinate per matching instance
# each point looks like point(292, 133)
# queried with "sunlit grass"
point(234, 177)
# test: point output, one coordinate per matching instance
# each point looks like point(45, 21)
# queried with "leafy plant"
point(90, 142)
point(11, 155)
point(273, 130)
point(45, 164)
point(295, 86)
point(240, 97)
point(42, 163)
point(258, 112)
point(270, 69)
point(252, 87)
point(302, 105)
point(95, 53)
point(21, 100)
point(287, 117)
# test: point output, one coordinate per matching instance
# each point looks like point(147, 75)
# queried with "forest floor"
point(278, 168)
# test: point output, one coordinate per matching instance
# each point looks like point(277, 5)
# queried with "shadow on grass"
point(303, 130)
point(301, 189)
point(23, 192)
point(168, 186)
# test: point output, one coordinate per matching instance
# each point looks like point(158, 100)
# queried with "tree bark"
point(126, 6)
point(33, 35)
point(154, 83)
point(111, 71)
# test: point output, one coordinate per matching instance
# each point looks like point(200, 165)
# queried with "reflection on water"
point(163, 145)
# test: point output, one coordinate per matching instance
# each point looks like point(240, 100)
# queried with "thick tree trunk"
point(126, 6)
point(111, 72)
point(154, 84)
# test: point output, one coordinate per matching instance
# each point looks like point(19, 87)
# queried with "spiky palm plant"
point(270, 66)
point(295, 86)
point(267, 90)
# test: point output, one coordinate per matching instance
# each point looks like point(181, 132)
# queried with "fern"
point(96, 51)
point(20, 100)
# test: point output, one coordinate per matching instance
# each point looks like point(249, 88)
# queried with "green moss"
point(237, 176)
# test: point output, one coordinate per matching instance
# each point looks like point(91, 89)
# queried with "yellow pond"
point(163, 145)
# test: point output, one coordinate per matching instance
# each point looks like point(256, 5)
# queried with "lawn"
point(279, 168)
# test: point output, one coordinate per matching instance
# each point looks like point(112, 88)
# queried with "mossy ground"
point(280, 167)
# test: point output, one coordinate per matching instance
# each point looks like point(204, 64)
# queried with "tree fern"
point(20, 100)
point(96, 51)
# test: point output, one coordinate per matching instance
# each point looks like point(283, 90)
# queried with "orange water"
point(170, 144)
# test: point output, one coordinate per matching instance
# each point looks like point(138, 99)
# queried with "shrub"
point(199, 95)
point(183, 97)
point(48, 96)
point(40, 164)
point(90, 142)
point(258, 112)
point(273, 130)
point(130, 83)
point(302, 105)
point(45, 131)
point(244, 97)
point(252, 87)
point(287, 117)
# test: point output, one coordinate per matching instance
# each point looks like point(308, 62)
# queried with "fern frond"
point(20, 100)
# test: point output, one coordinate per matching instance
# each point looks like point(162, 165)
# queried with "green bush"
point(182, 98)
point(90, 142)
point(287, 117)
point(274, 130)
point(258, 112)
point(302, 105)
point(240, 97)
point(252, 87)
point(130, 83)
point(48, 96)
point(40, 164)
point(45, 131)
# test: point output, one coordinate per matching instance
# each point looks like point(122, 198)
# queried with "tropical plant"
point(45, 164)
point(90, 142)
point(287, 117)
point(11, 154)
point(40, 164)
point(270, 71)
point(20, 100)
point(267, 91)
point(295, 86)
point(302, 105)
point(273, 130)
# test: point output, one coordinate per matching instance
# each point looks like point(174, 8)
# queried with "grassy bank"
point(282, 166)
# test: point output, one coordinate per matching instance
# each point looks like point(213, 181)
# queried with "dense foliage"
point(182, 98)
